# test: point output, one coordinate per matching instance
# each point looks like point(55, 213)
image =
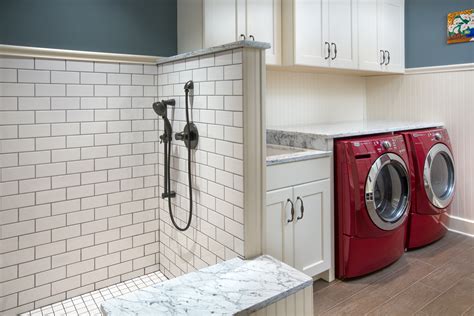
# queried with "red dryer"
point(433, 182)
point(372, 201)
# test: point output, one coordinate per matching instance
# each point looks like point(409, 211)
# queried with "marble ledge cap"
point(215, 49)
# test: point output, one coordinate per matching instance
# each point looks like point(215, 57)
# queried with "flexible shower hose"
point(168, 157)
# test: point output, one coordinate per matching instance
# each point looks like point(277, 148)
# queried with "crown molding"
point(437, 69)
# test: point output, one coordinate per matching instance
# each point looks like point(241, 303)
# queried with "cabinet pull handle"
point(329, 50)
point(383, 57)
point(388, 57)
point(335, 51)
point(301, 208)
point(242, 36)
point(252, 37)
point(292, 211)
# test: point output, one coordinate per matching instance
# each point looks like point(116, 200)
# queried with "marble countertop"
point(283, 154)
point(355, 128)
point(215, 49)
point(231, 287)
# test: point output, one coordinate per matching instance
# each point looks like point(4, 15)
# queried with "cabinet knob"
point(242, 36)
point(335, 51)
point(292, 211)
point(252, 37)
point(329, 50)
point(388, 57)
point(301, 208)
point(382, 52)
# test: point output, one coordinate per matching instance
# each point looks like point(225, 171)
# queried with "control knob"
point(386, 144)
point(438, 136)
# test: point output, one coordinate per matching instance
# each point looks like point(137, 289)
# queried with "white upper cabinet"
point(264, 25)
point(220, 22)
point(225, 21)
point(320, 33)
point(342, 19)
point(382, 36)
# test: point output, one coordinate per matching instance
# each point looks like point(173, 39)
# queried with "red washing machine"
point(372, 201)
point(433, 182)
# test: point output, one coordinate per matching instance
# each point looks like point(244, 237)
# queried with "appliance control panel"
point(434, 135)
point(380, 145)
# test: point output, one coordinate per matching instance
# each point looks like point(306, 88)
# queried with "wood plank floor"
point(434, 280)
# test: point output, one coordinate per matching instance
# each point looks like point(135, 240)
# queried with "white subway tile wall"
point(78, 178)
point(216, 232)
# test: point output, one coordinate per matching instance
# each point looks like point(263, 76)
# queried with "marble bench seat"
point(231, 287)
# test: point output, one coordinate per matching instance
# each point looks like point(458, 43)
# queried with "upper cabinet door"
point(264, 24)
point(343, 33)
point(391, 24)
point(310, 42)
point(370, 57)
point(220, 22)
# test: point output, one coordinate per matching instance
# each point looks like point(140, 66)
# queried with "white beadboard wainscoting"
point(445, 96)
point(301, 98)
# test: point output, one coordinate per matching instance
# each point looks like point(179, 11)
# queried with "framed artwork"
point(461, 26)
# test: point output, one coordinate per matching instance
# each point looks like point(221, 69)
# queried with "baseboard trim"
point(461, 225)
point(52, 53)
point(437, 69)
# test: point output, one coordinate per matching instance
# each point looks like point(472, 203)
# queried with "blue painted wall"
point(426, 35)
point(145, 27)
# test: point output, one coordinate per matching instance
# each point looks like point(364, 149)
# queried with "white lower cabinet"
point(297, 223)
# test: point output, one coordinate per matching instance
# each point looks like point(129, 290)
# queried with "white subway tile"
point(107, 115)
point(50, 90)
point(119, 126)
point(72, 65)
point(34, 103)
point(34, 157)
point(16, 229)
point(50, 64)
point(223, 58)
point(131, 68)
point(16, 117)
point(65, 284)
point(64, 103)
point(106, 67)
point(93, 103)
point(18, 173)
point(34, 240)
point(8, 103)
point(50, 116)
point(93, 177)
point(37, 130)
point(50, 169)
point(80, 141)
point(93, 78)
point(33, 76)
point(93, 128)
point(107, 139)
point(50, 222)
point(17, 285)
point(93, 152)
point(80, 90)
point(16, 90)
point(64, 77)
point(127, 91)
point(106, 91)
point(119, 102)
point(8, 75)
point(107, 187)
point(50, 276)
point(51, 143)
point(8, 188)
point(80, 166)
point(8, 131)
point(144, 80)
point(53, 249)
point(120, 79)
point(11, 62)
point(65, 129)
point(107, 163)
point(33, 185)
point(233, 103)
point(65, 233)
point(215, 73)
point(66, 181)
point(50, 196)
point(33, 212)
point(8, 245)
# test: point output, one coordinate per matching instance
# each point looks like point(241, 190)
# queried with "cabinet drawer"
point(295, 173)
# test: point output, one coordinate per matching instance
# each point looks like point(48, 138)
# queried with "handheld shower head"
point(189, 85)
point(161, 107)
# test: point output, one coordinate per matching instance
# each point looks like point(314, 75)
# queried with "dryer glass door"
point(387, 191)
point(438, 175)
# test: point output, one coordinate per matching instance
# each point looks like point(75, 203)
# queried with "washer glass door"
point(387, 191)
point(438, 175)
